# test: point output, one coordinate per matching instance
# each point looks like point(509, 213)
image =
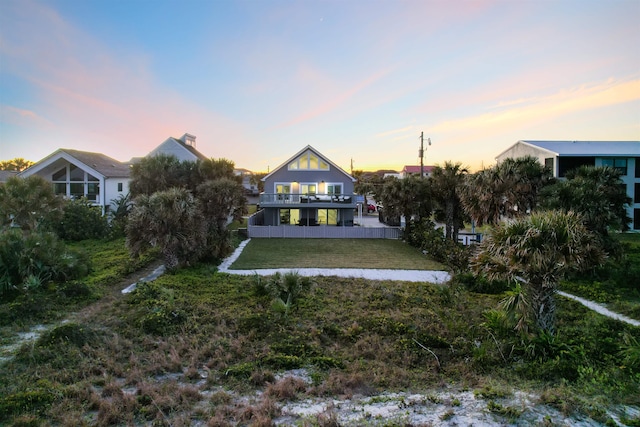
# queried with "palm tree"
point(596, 192)
point(538, 251)
point(446, 184)
point(409, 197)
point(170, 220)
point(156, 173)
point(507, 190)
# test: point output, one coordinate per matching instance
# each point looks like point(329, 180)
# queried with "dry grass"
point(333, 253)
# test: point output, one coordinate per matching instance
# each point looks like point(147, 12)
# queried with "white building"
point(562, 156)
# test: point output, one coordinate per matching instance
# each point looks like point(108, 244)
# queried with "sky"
point(359, 80)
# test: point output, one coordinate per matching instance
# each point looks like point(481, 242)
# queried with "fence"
point(322, 232)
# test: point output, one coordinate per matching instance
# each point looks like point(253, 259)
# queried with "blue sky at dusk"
point(256, 81)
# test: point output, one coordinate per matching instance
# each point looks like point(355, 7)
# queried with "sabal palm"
point(156, 173)
point(446, 184)
point(170, 220)
point(538, 251)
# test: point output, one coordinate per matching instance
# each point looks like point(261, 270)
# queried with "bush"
point(479, 284)
point(433, 243)
point(81, 220)
point(29, 261)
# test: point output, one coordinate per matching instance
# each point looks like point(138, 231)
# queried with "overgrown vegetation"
point(178, 350)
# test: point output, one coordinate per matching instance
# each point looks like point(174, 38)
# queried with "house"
point(5, 175)
point(307, 190)
point(76, 173)
point(184, 148)
point(562, 156)
point(246, 179)
point(416, 170)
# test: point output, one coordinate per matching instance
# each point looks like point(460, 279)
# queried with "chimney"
point(189, 140)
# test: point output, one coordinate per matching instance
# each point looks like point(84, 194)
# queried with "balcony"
point(290, 200)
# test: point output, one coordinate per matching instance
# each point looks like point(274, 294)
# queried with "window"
point(637, 167)
point(334, 189)
point(308, 161)
point(636, 219)
point(60, 188)
point(93, 189)
point(119, 186)
point(76, 190)
point(289, 216)
point(308, 188)
point(617, 163)
point(636, 193)
point(328, 216)
point(61, 175)
point(75, 173)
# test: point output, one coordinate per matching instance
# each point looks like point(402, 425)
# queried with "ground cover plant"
point(187, 347)
point(617, 284)
point(333, 253)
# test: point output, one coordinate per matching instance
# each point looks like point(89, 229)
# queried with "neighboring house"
point(416, 170)
point(75, 174)
point(308, 189)
point(5, 175)
point(246, 176)
point(184, 148)
point(562, 156)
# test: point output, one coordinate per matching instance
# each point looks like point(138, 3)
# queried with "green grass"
point(333, 253)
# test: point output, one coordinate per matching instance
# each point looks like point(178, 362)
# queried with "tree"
point(538, 251)
point(221, 200)
point(446, 182)
point(157, 173)
point(598, 194)
point(507, 190)
point(409, 197)
point(18, 164)
point(28, 202)
point(170, 220)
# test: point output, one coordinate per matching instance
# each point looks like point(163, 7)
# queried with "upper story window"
point(617, 163)
point(308, 161)
point(334, 189)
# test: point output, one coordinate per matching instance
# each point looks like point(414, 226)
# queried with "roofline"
point(529, 145)
point(184, 146)
point(63, 153)
point(308, 147)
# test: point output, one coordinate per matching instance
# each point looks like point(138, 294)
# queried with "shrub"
point(433, 242)
point(81, 220)
point(28, 261)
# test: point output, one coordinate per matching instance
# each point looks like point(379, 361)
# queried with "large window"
point(636, 193)
point(308, 161)
point(328, 216)
point(71, 181)
point(617, 163)
point(289, 216)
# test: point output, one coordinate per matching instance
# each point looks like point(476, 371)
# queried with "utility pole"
point(421, 153)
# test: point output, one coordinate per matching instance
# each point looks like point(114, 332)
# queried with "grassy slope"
point(333, 253)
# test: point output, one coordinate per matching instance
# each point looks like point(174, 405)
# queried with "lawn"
point(333, 253)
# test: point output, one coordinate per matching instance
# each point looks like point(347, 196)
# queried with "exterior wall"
point(111, 189)
point(308, 176)
point(272, 216)
point(521, 150)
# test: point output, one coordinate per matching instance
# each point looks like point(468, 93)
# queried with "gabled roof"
point(98, 162)
point(189, 148)
point(299, 153)
point(588, 148)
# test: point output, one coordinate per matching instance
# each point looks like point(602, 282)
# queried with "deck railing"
point(292, 198)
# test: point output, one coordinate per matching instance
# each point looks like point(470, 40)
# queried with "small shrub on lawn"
point(81, 220)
